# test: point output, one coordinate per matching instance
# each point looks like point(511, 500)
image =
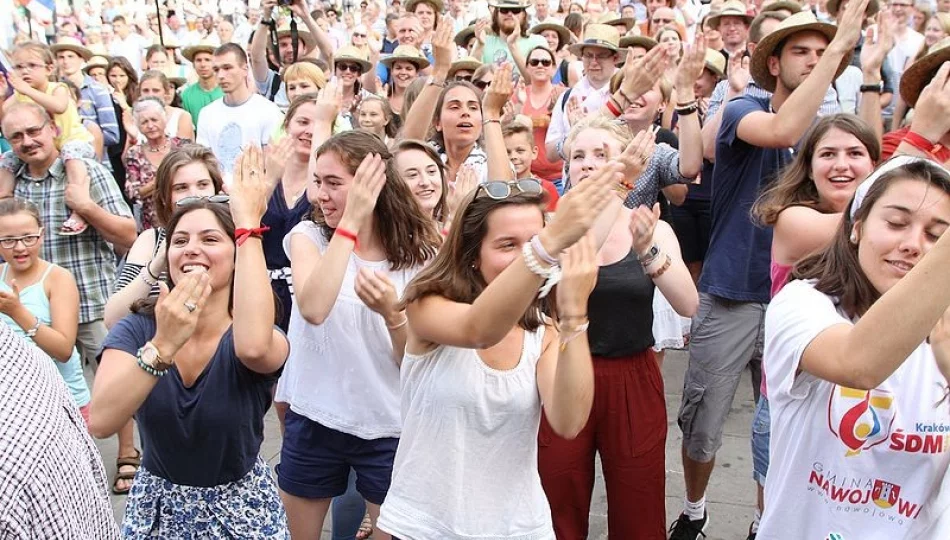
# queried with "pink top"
point(780, 274)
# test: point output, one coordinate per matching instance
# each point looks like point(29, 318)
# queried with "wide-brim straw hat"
point(469, 62)
point(787, 5)
point(520, 4)
point(732, 8)
point(637, 41)
point(406, 53)
point(204, 47)
point(921, 72)
point(350, 53)
point(71, 44)
point(96, 61)
point(804, 21)
point(464, 35)
point(614, 19)
point(599, 35)
point(308, 39)
point(716, 63)
point(833, 5)
point(563, 34)
point(437, 5)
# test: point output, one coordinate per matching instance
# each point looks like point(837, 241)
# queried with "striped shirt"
point(828, 106)
point(87, 256)
point(96, 106)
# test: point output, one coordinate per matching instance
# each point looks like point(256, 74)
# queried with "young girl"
point(32, 82)
point(376, 117)
point(39, 300)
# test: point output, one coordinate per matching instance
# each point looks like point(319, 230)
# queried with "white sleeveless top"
point(341, 373)
point(467, 462)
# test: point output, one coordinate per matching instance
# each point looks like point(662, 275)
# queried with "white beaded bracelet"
point(551, 274)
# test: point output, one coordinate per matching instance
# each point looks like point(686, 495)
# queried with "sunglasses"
point(662, 21)
point(510, 10)
point(535, 62)
point(359, 35)
point(481, 85)
point(28, 240)
point(349, 67)
point(502, 190)
point(466, 78)
point(188, 201)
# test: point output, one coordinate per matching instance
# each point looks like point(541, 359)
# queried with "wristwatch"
point(431, 81)
point(152, 358)
point(649, 256)
point(877, 88)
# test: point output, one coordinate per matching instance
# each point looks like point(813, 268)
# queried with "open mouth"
point(425, 193)
point(194, 267)
point(841, 179)
point(465, 125)
point(901, 266)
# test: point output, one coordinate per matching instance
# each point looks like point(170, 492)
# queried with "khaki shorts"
point(726, 337)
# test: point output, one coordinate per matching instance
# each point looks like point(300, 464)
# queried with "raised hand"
point(363, 193)
point(18, 83)
point(849, 27)
point(575, 111)
point(636, 156)
point(643, 222)
point(691, 66)
point(481, 30)
point(877, 43)
point(498, 92)
point(177, 311)
point(512, 38)
point(276, 157)
point(578, 276)
point(577, 211)
point(329, 102)
point(443, 48)
point(739, 74)
point(640, 75)
point(932, 111)
point(465, 182)
point(376, 291)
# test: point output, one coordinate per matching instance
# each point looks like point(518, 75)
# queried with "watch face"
point(149, 356)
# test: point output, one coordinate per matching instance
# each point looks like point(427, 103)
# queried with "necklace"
point(161, 148)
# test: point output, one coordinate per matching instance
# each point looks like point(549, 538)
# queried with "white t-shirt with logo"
point(847, 464)
point(227, 129)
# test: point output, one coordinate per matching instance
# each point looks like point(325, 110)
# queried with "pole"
point(158, 14)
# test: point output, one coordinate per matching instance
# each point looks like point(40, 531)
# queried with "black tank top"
point(620, 310)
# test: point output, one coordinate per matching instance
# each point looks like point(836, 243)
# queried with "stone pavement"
point(730, 498)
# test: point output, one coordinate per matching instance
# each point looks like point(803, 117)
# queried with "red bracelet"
point(350, 235)
point(614, 110)
point(241, 235)
point(936, 150)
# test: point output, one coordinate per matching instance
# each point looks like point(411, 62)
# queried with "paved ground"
point(731, 496)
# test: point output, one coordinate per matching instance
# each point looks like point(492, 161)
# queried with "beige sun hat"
point(716, 63)
point(469, 62)
point(521, 4)
point(464, 35)
point(833, 5)
point(563, 34)
point(96, 61)
point(614, 19)
point(308, 39)
point(637, 41)
point(791, 6)
point(203, 47)
point(350, 53)
point(406, 53)
point(804, 21)
point(71, 44)
point(732, 8)
point(921, 72)
point(599, 35)
point(437, 5)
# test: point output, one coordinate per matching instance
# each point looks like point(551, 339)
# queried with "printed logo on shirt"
point(834, 536)
point(860, 419)
point(874, 497)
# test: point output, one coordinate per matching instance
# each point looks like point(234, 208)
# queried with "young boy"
point(519, 140)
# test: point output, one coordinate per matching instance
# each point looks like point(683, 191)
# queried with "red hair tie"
point(241, 235)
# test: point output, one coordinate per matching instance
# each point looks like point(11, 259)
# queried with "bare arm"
point(120, 388)
point(497, 94)
point(121, 301)
point(258, 51)
point(58, 338)
point(675, 283)
point(420, 115)
point(800, 231)
point(186, 130)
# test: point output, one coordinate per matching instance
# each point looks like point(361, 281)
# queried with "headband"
point(886, 167)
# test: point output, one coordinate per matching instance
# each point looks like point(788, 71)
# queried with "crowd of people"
point(450, 243)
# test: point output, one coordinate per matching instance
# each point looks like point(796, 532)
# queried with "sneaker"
point(751, 534)
point(687, 529)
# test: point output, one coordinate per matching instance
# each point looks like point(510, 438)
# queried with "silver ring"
point(190, 307)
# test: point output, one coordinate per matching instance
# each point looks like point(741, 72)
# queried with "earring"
point(854, 238)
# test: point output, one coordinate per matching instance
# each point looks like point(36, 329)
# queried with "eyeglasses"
point(481, 85)
point(603, 57)
point(31, 132)
point(502, 190)
point(29, 240)
point(510, 10)
point(188, 201)
point(349, 67)
point(29, 66)
point(535, 62)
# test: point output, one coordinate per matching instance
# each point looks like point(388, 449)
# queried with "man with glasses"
point(507, 16)
point(600, 53)
point(90, 256)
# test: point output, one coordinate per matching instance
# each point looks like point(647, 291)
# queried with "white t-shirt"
point(131, 48)
point(226, 129)
point(845, 462)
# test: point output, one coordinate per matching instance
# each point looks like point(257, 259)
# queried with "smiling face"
point(540, 65)
point(460, 119)
point(734, 30)
point(347, 72)
point(299, 87)
point(552, 38)
point(900, 229)
point(521, 152)
point(199, 243)
point(372, 118)
point(191, 180)
point(330, 186)
point(423, 177)
point(300, 128)
point(509, 227)
point(934, 32)
point(21, 225)
point(404, 73)
point(840, 163)
point(644, 109)
point(589, 152)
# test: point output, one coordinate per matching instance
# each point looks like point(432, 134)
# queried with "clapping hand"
point(249, 189)
point(177, 311)
point(636, 156)
point(643, 222)
point(377, 291)
point(10, 301)
point(577, 211)
point(498, 93)
point(578, 276)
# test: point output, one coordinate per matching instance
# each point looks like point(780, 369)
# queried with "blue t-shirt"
point(206, 435)
point(737, 262)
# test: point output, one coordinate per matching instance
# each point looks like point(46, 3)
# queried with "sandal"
point(71, 227)
point(366, 528)
point(135, 461)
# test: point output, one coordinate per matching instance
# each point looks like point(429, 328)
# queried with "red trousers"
point(627, 426)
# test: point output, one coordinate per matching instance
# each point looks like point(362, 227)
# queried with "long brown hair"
point(405, 145)
point(836, 269)
point(796, 187)
point(408, 235)
point(437, 136)
point(173, 162)
point(299, 101)
point(453, 273)
point(131, 91)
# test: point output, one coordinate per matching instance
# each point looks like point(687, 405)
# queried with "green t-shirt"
point(496, 47)
point(194, 98)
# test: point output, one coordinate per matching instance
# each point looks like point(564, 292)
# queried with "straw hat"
point(308, 40)
point(603, 36)
point(563, 34)
point(350, 53)
point(469, 63)
point(637, 41)
point(464, 35)
point(519, 4)
point(96, 61)
point(716, 63)
point(921, 72)
point(406, 53)
point(833, 5)
point(732, 8)
point(437, 5)
point(203, 47)
point(780, 5)
point(804, 21)
point(614, 19)
point(71, 44)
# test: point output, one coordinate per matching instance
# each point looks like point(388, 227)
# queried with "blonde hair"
point(306, 70)
point(598, 121)
point(41, 50)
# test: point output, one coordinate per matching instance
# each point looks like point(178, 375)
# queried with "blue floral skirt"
point(247, 508)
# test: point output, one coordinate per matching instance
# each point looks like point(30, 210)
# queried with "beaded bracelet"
point(663, 269)
point(147, 368)
point(551, 274)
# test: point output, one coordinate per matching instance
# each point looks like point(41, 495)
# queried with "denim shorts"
point(315, 461)
point(761, 433)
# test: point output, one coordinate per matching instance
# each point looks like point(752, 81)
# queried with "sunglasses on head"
point(349, 67)
point(510, 10)
point(188, 201)
point(502, 190)
point(535, 62)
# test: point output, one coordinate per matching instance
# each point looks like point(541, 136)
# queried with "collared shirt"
point(96, 106)
point(828, 106)
point(52, 482)
point(593, 98)
point(87, 256)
